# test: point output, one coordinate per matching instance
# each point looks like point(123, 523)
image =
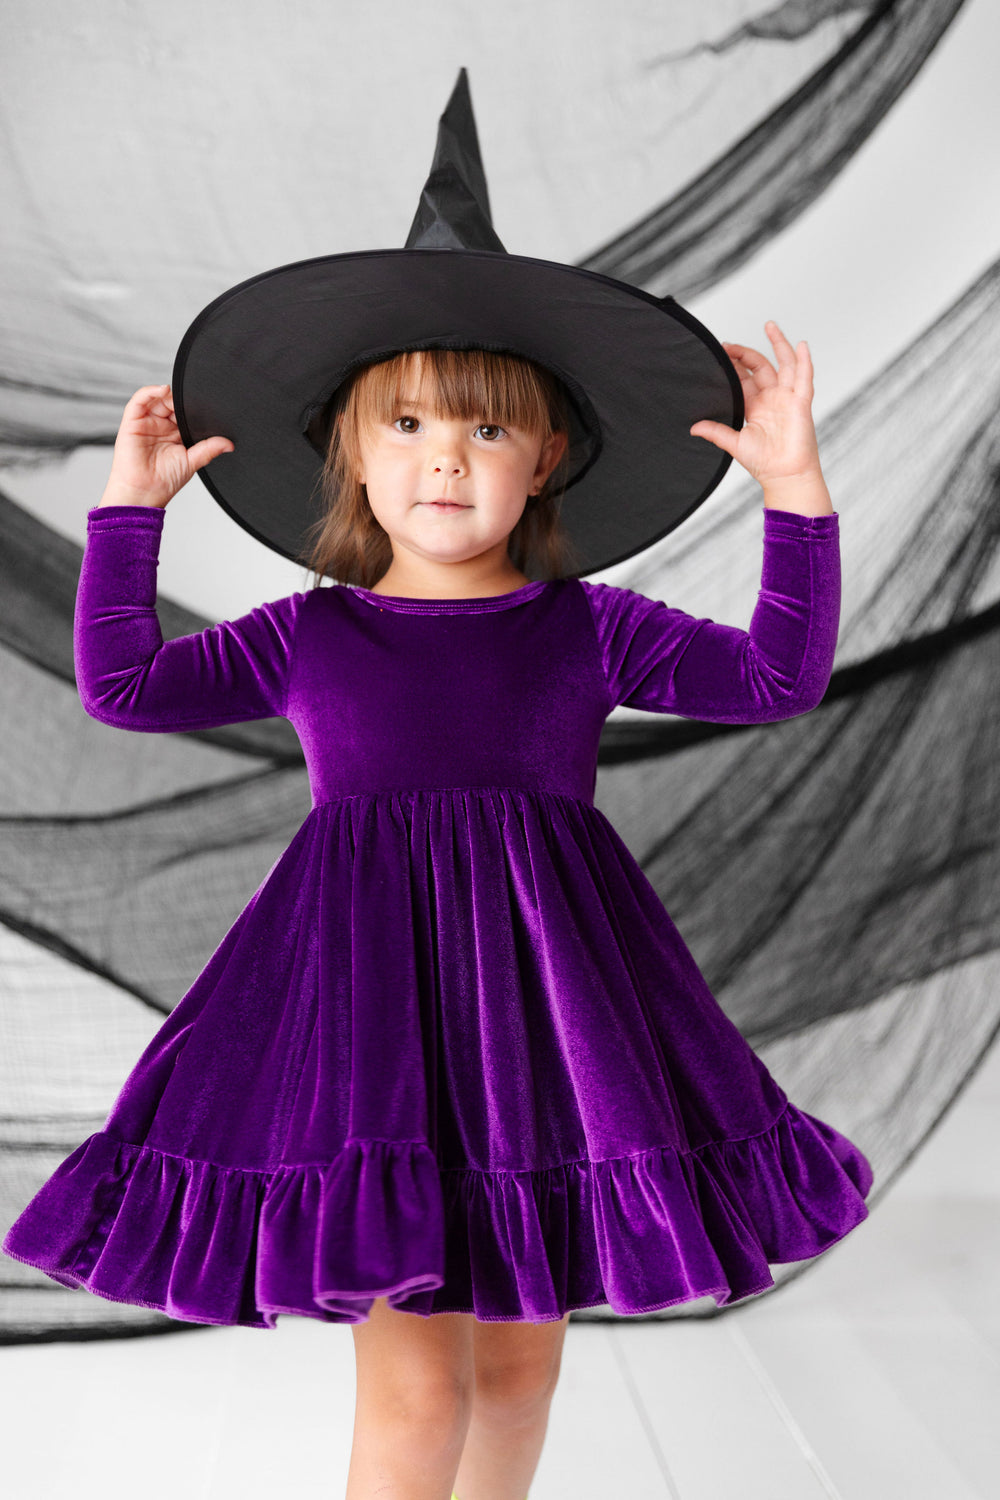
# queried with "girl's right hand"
point(151, 462)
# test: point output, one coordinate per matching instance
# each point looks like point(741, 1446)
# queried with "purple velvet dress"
point(453, 1051)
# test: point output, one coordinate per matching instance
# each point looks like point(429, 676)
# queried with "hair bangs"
point(462, 384)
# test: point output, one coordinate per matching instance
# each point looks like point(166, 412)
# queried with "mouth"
point(446, 505)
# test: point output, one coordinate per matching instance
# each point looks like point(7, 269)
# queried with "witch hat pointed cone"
point(270, 364)
point(454, 208)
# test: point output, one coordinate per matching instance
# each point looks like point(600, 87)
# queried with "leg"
point(413, 1403)
point(516, 1370)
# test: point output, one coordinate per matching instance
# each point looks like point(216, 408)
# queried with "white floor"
point(875, 1377)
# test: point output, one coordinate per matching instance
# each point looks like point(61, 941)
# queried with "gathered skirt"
point(453, 1052)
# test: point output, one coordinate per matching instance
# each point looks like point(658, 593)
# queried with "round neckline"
point(484, 604)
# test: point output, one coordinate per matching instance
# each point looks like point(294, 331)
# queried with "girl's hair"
point(347, 543)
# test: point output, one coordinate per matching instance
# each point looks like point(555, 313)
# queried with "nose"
point(447, 455)
point(448, 464)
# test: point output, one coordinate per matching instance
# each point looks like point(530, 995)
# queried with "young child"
point(453, 1058)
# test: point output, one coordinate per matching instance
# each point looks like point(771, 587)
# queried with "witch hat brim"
point(262, 363)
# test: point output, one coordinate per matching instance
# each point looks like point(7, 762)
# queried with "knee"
point(423, 1402)
point(405, 1432)
point(515, 1391)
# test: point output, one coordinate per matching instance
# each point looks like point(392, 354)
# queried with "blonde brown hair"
point(347, 543)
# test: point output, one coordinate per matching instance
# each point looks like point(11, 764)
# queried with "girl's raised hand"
point(778, 440)
point(151, 463)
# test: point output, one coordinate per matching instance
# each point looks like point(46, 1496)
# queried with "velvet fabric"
point(453, 1051)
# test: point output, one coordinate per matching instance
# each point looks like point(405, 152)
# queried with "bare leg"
point(415, 1379)
point(517, 1368)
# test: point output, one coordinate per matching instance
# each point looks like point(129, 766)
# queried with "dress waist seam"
point(418, 791)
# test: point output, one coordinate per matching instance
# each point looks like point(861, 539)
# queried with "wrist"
point(806, 493)
point(119, 494)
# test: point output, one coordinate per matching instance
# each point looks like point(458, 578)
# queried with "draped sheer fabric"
point(832, 874)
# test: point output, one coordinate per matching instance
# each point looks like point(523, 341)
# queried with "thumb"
point(717, 433)
point(200, 454)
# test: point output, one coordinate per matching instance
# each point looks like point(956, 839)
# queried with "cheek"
point(385, 466)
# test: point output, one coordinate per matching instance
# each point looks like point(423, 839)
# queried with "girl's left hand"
point(778, 440)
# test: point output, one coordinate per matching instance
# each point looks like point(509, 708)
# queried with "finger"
point(804, 373)
point(795, 365)
point(787, 362)
point(758, 365)
point(146, 399)
point(718, 433)
point(743, 371)
point(203, 453)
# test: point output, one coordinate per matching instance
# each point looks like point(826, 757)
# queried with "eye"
point(489, 427)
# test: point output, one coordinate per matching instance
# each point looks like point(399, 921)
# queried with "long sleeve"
point(129, 677)
point(658, 658)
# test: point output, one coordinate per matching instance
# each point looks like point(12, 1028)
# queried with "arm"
point(127, 676)
point(658, 658)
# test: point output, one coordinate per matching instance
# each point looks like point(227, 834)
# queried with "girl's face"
point(487, 472)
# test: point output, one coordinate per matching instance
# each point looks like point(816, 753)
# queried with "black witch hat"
point(262, 365)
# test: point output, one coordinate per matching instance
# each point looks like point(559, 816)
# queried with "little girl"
point(453, 1071)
